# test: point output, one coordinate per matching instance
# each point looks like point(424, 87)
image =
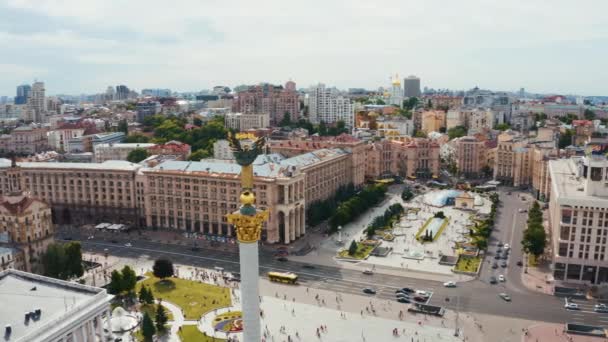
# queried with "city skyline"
point(78, 48)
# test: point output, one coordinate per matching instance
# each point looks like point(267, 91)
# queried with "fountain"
point(122, 321)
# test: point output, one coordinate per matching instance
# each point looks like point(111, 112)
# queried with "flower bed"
point(363, 251)
point(231, 321)
point(467, 264)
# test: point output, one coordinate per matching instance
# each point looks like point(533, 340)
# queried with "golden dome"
point(247, 197)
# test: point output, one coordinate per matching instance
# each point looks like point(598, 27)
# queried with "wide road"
point(476, 296)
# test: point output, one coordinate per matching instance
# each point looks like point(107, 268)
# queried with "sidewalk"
point(547, 332)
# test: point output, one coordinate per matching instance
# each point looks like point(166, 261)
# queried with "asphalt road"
point(477, 296)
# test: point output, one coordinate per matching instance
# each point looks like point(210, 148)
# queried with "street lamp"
point(339, 234)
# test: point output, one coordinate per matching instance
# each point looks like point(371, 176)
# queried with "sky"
point(83, 46)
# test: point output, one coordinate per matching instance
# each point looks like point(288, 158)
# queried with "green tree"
point(502, 126)
point(199, 154)
point(137, 155)
point(420, 134)
point(407, 194)
point(410, 103)
point(286, 121)
point(147, 328)
point(481, 243)
point(161, 318)
point(123, 126)
point(129, 279)
point(565, 139)
point(535, 238)
point(197, 122)
point(137, 139)
point(54, 261)
point(353, 248)
point(143, 295)
point(115, 286)
point(440, 214)
point(380, 101)
point(457, 132)
point(589, 114)
point(73, 253)
point(163, 268)
point(322, 128)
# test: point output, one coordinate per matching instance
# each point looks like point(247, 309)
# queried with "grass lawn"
point(194, 298)
point(363, 251)
point(140, 337)
point(190, 333)
point(467, 263)
point(151, 310)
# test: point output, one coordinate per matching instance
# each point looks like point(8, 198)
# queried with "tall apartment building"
point(122, 93)
point(578, 218)
point(269, 99)
point(147, 108)
point(28, 224)
point(327, 105)
point(411, 86)
point(222, 150)
point(23, 92)
point(37, 102)
point(470, 156)
point(68, 311)
point(243, 122)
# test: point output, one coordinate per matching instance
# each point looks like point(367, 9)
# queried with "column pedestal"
point(250, 302)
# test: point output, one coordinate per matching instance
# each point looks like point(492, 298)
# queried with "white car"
point(571, 306)
point(600, 308)
point(422, 293)
point(128, 244)
point(449, 284)
point(501, 278)
point(507, 246)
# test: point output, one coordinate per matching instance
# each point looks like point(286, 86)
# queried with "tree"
point(457, 132)
point(161, 318)
point(481, 243)
point(353, 248)
point(123, 126)
point(286, 121)
point(73, 253)
point(137, 155)
point(420, 134)
point(199, 154)
point(407, 194)
point(143, 295)
point(322, 128)
point(589, 114)
point(162, 268)
point(115, 286)
point(565, 139)
point(502, 126)
point(440, 215)
point(197, 122)
point(147, 328)
point(535, 237)
point(137, 139)
point(129, 279)
point(54, 261)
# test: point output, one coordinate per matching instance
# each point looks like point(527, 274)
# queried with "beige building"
point(196, 196)
point(476, 119)
point(25, 140)
point(118, 151)
point(470, 155)
point(243, 122)
point(412, 158)
point(578, 218)
point(28, 225)
point(58, 139)
point(433, 121)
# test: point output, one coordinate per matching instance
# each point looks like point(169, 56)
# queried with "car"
point(495, 265)
point(128, 244)
point(69, 238)
point(522, 210)
point(497, 256)
point(571, 306)
point(369, 290)
point(507, 246)
point(501, 278)
point(520, 263)
point(281, 254)
point(404, 300)
point(368, 272)
point(449, 284)
point(500, 244)
point(420, 299)
point(310, 267)
point(423, 293)
point(601, 308)
point(505, 256)
point(493, 280)
point(91, 237)
point(282, 259)
point(407, 290)
point(503, 264)
point(403, 295)
point(504, 296)
point(113, 241)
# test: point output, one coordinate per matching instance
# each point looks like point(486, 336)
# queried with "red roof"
point(18, 207)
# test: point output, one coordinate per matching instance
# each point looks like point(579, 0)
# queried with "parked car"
point(522, 210)
point(407, 290)
point(603, 308)
point(500, 244)
point(493, 280)
point(497, 256)
point(501, 278)
point(507, 246)
point(404, 300)
point(369, 290)
point(113, 241)
point(449, 284)
point(282, 259)
point(503, 264)
point(505, 296)
point(368, 272)
point(420, 299)
point(423, 293)
point(128, 244)
point(310, 267)
point(520, 263)
point(495, 265)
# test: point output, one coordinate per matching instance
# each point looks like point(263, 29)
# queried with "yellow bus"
point(283, 277)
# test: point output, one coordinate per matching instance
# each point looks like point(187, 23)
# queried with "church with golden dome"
point(395, 96)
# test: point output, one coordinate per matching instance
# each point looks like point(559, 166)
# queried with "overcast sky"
point(82, 46)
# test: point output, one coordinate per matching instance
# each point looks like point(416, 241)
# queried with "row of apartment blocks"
point(196, 196)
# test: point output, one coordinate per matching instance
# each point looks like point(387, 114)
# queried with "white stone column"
point(287, 228)
point(292, 230)
point(302, 221)
point(249, 260)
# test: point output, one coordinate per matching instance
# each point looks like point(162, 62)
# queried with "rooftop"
point(126, 145)
point(566, 183)
point(112, 165)
point(60, 303)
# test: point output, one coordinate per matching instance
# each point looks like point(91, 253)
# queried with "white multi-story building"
point(37, 102)
point(243, 122)
point(58, 139)
point(327, 105)
point(578, 217)
point(104, 152)
point(222, 150)
point(41, 309)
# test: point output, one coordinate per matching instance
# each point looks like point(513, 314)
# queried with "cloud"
point(193, 44)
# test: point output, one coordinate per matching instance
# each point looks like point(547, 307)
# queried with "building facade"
point(433, 121)
point(274, 101)
point(243, 122)
point(411, 86)
point(328, 106)
point(25, 140)
point(120, 151)
point(470, 156)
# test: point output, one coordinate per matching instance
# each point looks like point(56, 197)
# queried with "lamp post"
point(248, 222)
point(340, 234)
